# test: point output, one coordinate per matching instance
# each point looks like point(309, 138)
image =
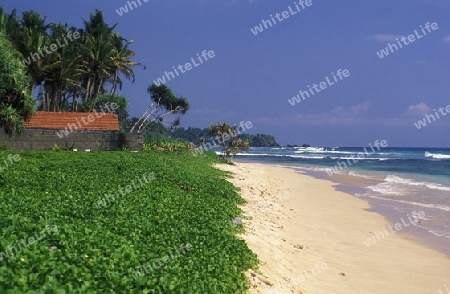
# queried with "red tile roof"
point(82, 121)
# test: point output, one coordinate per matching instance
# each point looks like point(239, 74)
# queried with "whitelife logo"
point(378, 236)
point(31, 240)
point(53, 48)
point(124, 9)
point(243, 126)
point(423, 123)
point(159, 263)
point(285, 14)
point(411, 38)
point(340, 73)
point(122, 191)
point(90, 118)
point(185, 68)
point(341, 164)
point(11, 157)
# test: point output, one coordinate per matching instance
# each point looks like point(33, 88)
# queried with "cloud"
point(339, 116)
point(418, 109)
point(214, 114)
point(446, 39)
point(225, 2)
point(241, 1)
point(316, 119)
point(354, 110)
point(383, 37)
point(326, 120)
point(349, 116)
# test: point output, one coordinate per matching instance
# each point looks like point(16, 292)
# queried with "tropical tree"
point(236, 146)
point(9, 24)
point(230, 145)
point(32, 37)
point(224, 131)
point(163, 103)
point(76, 73)
point(16, 102)
point(98, 51)
point(62, 87)
point(121, 61)
point(105, 103)
point(106, 57)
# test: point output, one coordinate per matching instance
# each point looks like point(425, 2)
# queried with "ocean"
point(394, 181)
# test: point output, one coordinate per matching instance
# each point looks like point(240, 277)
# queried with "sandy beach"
point(310, 239)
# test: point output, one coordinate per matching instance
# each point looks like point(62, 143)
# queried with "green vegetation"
point(164, 103)
point(16, 103)
point(259, 140)
point(230, 145)
point(157, 132)
point(188, 204)
point(74, 69)
point(167, 144)
point(193, 135)
point(71, 66)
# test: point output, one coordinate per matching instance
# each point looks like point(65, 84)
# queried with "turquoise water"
point(399, 180)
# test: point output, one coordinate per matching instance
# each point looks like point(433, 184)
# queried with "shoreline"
point(358, 186)
point(310, 238)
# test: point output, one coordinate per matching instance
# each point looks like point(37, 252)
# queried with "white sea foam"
point(313, 149)
point(437, 155)
point(387, 188)
point(358, 159)
point(280, 155)
point(307, 156)
point(324, 151)
point(409, 182)
point(399, 200)
point(355, 174)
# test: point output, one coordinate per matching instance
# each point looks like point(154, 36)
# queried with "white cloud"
point(353, 110)
point(225, 2)
point(339, 116)
point(214, 114)
point(419, 109)
point(384, 37)
point(346, 117)
point(446, 39)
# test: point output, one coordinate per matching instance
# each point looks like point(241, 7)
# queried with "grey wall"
point(39, 139)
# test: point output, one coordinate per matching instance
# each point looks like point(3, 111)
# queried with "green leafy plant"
point(95, 250)
point(16, 102)
point(166, 144)
point(57, 148)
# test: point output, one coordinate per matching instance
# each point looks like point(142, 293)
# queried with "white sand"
point(309, 239)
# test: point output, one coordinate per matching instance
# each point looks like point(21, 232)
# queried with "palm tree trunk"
point(114, 86)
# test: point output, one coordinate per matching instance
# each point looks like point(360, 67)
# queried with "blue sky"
point(252, 76)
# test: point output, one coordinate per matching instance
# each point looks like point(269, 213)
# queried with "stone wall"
point(41, 139)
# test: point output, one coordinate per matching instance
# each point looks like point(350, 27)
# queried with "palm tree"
point(9, 24)
point(63, 73)
point(98, 51)
point(121, 61)
point(72, 76)
point(31, 38)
